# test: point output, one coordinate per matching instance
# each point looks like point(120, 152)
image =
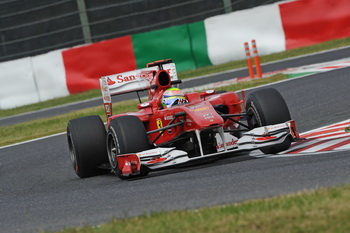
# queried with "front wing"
point(161, 157)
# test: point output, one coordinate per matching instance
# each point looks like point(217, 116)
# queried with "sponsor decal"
point(275, 127)
point(107, 98)
point(110, 82)
point(108, 110)
point(228, 144)
point(195, 106)
point(169, 117)
point(104, 88)
point(148, 153)
point(159, 124)
point(122, 78)
point(146, 75)
point(201, 109)
point(208, 116)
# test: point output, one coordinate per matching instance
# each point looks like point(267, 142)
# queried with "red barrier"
point(308, 22)
point(249, 60)
point(256, 60)
point(85, 65)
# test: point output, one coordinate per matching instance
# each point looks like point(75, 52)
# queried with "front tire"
point(267, 107)
point(126, 134)
point(87, 145)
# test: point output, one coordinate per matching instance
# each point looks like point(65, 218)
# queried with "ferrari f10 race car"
point(205, 125)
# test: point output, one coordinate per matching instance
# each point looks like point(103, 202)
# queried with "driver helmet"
point(173, 96)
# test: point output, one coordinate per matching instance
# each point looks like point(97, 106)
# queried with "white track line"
point(32, 140)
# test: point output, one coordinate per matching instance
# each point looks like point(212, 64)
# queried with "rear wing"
point(133, 81)
point(136, 80)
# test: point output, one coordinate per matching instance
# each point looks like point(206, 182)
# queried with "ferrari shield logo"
point(159, 124)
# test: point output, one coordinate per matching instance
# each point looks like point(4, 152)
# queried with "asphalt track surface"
point(39, 190)
point(269, 67)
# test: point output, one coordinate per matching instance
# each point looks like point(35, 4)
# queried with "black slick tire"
point(87, 145)
point(126, 134)
point(268, 107)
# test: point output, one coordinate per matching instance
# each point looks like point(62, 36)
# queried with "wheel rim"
point(253, 121)
point(72, 154)
point(113, 150)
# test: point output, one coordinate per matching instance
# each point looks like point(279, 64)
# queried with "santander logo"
point(110, 82)
point(121, 79)
point(228, 144)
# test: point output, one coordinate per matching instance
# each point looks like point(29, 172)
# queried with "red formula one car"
point(205, 125)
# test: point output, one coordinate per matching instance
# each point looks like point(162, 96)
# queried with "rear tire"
point(87, 145)
point(267, 107)
point(126, 134)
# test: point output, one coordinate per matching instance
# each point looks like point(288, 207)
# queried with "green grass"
point(184, 75)
point(51, 103)
point(323, 210)
point(47, 126)
point(43, 127)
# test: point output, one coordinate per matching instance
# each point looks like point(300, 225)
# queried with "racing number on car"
point(159, 124)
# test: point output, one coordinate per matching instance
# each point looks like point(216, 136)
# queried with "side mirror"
point(144, 105)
